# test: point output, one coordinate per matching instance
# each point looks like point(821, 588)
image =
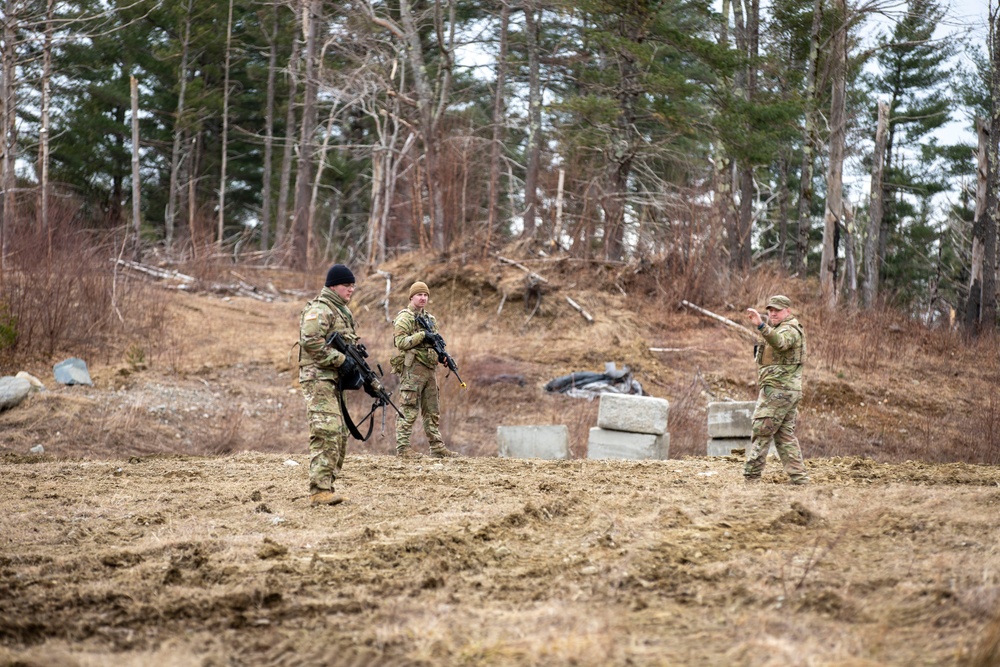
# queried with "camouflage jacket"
point(321, 317)
point(409, 337)
point(780, 358)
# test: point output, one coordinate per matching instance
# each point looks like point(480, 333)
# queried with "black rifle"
point(439, 345)
point(363, 376)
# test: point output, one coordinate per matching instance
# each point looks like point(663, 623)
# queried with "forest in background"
point(662, 133)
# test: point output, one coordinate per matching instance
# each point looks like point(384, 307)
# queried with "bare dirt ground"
point(486, 561)
point(167, 524)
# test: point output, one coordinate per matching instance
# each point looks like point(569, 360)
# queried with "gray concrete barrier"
point(730, 419)
point(533, 442)
point(634, 414)
point(609, 444)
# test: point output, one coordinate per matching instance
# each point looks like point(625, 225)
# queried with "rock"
point(36, 384)
point(72, 371)
point(13, 390)
point(37, 449)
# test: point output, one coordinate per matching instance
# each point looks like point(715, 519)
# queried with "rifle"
point(367, 378)
point(439, 345)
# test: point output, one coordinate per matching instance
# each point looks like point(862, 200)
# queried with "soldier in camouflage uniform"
point(779, 379)
point(416, 363)
point(320, 369)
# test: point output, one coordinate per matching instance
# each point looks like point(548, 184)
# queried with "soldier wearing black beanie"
point(339, 275)
point(321, 369)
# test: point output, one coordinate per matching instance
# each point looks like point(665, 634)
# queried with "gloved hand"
point(373, 388)
point(434, 339)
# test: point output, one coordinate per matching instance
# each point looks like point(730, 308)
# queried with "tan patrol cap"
point(778, 302)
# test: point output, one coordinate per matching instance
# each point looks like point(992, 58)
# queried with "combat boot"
point(325, 498)
point(408, 453)
point(442, 452)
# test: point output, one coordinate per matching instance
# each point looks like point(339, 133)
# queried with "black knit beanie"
point(339, 275)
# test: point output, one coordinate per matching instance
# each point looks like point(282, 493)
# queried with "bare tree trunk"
point(850, 279)
point(973, 306)
point(989, 307)
point(192, 196)
point(281, 216)
point(320, 166)
point(722, 182)
point(431, 103)
point(43, 131)
point(303, 183)
point(8, 120)
point(751, 41)
point(136, 184)
point(498, 126)
point(174, 195)
point(386, 161)
point(225, 126)
point(558, 222)
point(744, 222)
point(808, 142)
point(834, 177)
point(872, 264)
point(783, 201)
point(534, 121)
point(272, 71)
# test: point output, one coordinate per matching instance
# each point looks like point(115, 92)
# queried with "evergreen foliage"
point(646, 104)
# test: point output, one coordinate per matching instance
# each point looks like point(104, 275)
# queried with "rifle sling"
point(350, 423)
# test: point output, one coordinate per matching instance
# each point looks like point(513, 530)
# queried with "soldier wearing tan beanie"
point(416, 363)
point(418, 288)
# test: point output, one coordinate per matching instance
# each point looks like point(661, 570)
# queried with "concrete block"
point(635, 414)
point(608, 444)
point(725, 446)
point(533, 442)
point(730, 419)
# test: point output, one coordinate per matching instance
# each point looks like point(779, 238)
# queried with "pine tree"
point(913, 75)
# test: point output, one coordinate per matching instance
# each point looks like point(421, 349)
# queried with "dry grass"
point(876, 385)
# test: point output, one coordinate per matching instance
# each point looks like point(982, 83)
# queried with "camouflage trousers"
point(774, 419)
point(327, 434)
point(418, 393)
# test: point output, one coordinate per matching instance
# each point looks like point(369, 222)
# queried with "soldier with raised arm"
point(779, 381)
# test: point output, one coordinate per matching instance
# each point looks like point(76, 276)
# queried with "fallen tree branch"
point(580, 310)
point(742, 329)
point(155, 272)
point(531, 274)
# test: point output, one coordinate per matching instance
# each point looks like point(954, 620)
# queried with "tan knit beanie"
point(419, 288)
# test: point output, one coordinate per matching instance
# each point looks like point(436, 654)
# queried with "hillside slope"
point(222, 379)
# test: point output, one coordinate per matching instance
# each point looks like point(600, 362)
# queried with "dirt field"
point(485, 561)
point(166, 523)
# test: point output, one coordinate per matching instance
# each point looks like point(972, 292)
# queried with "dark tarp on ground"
point(588, 384)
